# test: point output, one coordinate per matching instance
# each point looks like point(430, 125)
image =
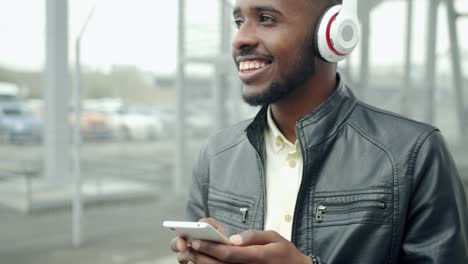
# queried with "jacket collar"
point(314, 128)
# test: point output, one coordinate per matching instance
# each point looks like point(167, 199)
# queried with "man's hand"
point(249, 247)
point(185, 251)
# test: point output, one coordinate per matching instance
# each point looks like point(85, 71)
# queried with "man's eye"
point(238, 22)
point(266, 19)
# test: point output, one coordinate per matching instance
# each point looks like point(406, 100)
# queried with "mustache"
point(247, 51)
point(250, 52)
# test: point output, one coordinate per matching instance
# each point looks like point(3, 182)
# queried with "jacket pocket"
point(361, 206)
point(231, 209)
point(357, 223)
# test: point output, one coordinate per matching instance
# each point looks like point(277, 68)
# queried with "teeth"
point(251, 65)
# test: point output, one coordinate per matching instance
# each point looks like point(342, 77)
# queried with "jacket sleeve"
point(198, 195)
point(437, 222)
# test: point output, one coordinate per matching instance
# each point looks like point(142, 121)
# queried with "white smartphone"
point(196, 231)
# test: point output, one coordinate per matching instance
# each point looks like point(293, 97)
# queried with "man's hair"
point(333, 2)
point(328, 3)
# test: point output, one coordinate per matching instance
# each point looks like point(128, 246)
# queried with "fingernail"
point(236, 239)
point(180, 245)
point(196, 244)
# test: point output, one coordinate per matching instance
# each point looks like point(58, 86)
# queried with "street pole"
point(77, 206)
point(77, 203)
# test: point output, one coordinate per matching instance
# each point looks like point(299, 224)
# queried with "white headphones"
point(338, 32)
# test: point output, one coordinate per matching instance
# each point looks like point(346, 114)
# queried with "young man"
point(318, 176)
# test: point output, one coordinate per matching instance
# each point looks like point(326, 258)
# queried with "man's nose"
point(245, 37)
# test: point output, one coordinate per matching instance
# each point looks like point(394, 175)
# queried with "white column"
point(365, 46)
point(452, 16)
point(221, 84)
point(431, 46)
point(406, 93)
point(56, 93)
point(180, 176)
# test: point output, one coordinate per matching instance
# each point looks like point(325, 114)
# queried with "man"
point(318, 176)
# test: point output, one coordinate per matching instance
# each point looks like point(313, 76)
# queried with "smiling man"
point(318, 176)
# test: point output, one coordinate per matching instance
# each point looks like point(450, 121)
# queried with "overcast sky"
point(143, 32)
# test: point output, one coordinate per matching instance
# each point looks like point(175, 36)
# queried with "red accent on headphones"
point(330, 45)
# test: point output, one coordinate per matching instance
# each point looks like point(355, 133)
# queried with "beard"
point(303, 70)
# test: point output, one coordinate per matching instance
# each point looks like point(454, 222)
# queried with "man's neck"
point(302, 101)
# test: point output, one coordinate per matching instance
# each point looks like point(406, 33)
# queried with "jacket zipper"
point(323, 209)
point(301, 187)
point(243, 210)
point(263, 179)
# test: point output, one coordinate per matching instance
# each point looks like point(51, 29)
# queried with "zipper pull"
point(244, 211)
point(319, 213)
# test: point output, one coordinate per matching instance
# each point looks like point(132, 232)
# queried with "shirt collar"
point(316, 127)
point(275, 135)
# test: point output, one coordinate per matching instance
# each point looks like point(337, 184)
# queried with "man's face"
point(273, 48)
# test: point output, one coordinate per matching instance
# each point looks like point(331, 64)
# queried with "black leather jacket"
point(376, 187)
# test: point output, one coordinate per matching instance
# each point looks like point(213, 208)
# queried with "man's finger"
point(255, 237)
point(181, 259)
point(179, 244)
point(193, 256)
point(225, 253)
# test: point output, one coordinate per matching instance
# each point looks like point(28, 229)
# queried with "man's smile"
point(252, 70)
point(247, 66)
point(252, 67)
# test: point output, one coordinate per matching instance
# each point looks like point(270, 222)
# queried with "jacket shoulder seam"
point(415, 153)
point(383, 112)
point(238, 128)
point(372, 140)
point(227, 147)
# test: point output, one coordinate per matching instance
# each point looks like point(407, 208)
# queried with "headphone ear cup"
point(323, 43)
point(317, 39)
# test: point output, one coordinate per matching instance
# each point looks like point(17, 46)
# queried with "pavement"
point(114, 232)
point(117, 233)
point(123, 232)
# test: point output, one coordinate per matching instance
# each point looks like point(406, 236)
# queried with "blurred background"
point(105, 104)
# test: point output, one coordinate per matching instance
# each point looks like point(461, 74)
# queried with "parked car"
point(135, 124)
point(199, 121)
point(94, 125)
point(19, 126)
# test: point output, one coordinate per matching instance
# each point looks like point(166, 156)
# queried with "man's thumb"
point(254, 237)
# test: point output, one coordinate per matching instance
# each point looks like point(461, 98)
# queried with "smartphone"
point(196, 231)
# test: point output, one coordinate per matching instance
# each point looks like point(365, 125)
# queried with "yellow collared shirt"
point(283, 178)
